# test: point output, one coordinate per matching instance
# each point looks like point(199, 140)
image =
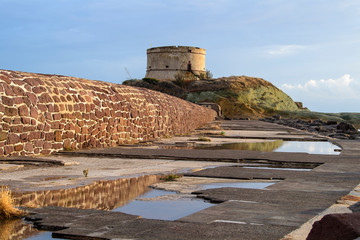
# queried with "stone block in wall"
point(57, 136)
point(13, 138)
point(10, 111)
point(7, 101)
point(3, 136)
point(18, 147)
point(23, 110)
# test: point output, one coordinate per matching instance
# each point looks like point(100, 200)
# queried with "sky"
point(308, 48)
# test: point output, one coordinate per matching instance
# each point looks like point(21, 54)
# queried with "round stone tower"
point(164, 63)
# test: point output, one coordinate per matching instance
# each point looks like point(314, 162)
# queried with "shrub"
point(179, 79)
point(7, 207)
point(171, 177)
point(151, 80)
point(208, 75)
point(204, 139)
point(128, 82)
point(85, 172)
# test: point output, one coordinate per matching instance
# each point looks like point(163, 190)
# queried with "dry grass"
point(7, 207)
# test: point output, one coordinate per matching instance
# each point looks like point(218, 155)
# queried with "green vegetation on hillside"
point(243, 97)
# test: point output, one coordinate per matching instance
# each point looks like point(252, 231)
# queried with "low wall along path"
point(42, 114)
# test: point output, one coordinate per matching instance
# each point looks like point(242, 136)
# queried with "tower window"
point(167, 66)
point(189, 50)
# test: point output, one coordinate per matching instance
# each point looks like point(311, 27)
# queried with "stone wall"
point(42, 114)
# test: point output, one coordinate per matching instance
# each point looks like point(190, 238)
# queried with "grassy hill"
point(238, 96)
point(242, 97)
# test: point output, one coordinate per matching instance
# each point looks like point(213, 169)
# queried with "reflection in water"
point(308, 147)
point(16, 229)
point(101, 195)
point(251, 185)
point(164, 209)
point(277, 146)
point(252, 146)
point(282, 168)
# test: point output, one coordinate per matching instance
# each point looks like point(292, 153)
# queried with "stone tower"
point(164, 63)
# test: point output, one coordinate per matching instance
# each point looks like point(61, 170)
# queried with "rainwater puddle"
point(164, 209)
point(277, 168)
point(251, 185)
point(19, 229)
point(132, 196)
point(173, 209)
point(278, 146)
point(43, 236)
point(100, 195)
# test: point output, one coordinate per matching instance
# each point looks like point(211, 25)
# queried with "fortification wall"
point(164, 62)
point(42, 114)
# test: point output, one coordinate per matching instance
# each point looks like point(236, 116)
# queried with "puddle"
point(44, 236)
point(278, 146)
point(19, 229)
point(153, 193)
point(153, 205)
point(156, 205)
point(251, 185)
point(171, 209)
point(309, 147)
point(280, 168)
point(101, 195)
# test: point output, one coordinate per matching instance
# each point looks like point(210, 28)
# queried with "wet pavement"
point(239, 213)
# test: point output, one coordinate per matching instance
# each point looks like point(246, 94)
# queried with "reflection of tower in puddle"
point(16, 229)
point(102, 195)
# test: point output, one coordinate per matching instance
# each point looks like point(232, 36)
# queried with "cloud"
point(331, 95)
point(342, 87)
point(284, 50)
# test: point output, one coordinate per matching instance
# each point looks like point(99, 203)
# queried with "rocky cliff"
point(238, 96)
point(42, 114)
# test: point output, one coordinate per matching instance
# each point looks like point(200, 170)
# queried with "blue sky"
point(309, 49)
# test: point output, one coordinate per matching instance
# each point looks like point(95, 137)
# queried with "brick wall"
point(42, 114)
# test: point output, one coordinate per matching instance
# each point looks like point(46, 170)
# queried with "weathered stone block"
point(45, 98)
point(47, 145)
point(18, 148)
point(29, 147)
point(17, 128)
point(57, 136)
point(24, 137)
point(25, 120)
point(67, 145)
point(34, 135)
point(3, 136)
point(56, 116)
point(13, 138)
point(24, 110)
point(11, 111)
point(8, 149)
point(7, 101)
point(18, 91)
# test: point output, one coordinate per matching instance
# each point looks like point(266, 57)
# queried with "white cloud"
point(332, 95)
point(282, 50)
point(341, 83)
